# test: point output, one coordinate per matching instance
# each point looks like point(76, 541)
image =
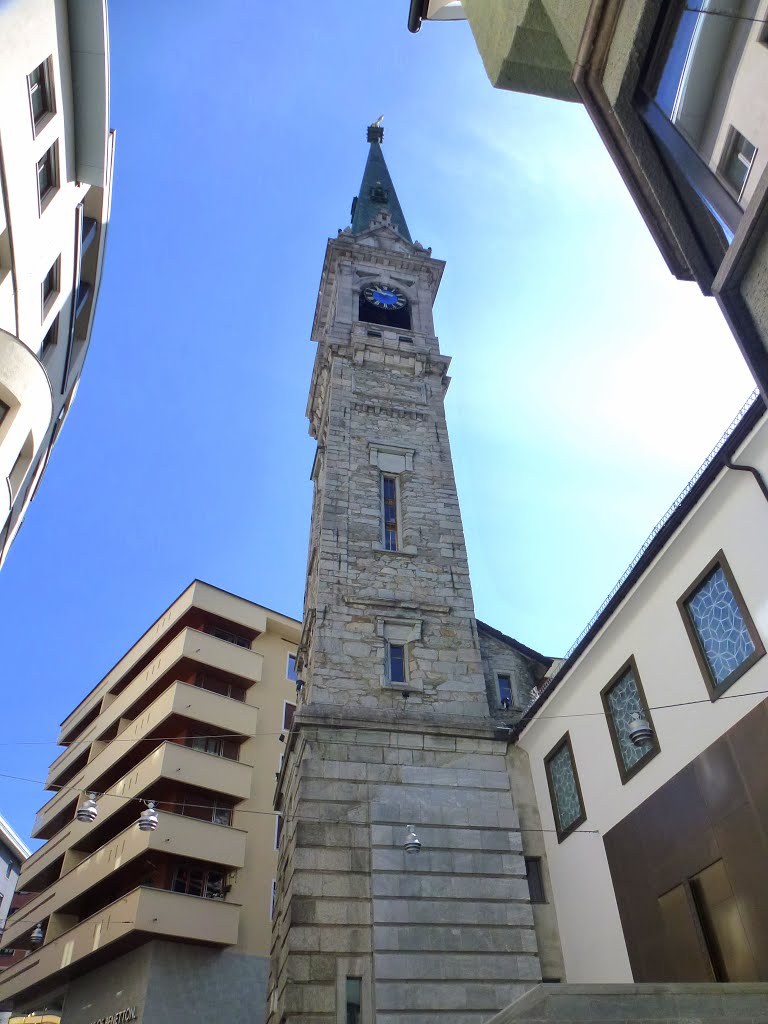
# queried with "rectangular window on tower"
point(390, 516)
point(396, 663)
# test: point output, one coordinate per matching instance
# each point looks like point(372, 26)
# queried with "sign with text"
point(119, 1017)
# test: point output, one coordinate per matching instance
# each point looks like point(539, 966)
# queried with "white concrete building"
point(656, 855)
point(56, 151)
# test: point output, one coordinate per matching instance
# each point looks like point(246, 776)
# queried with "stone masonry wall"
point(444, 935)
point(371, 390)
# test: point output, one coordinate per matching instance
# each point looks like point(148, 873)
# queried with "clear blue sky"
point(587, 383)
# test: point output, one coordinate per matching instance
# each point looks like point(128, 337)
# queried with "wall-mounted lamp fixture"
point(281, 737)
point(640, 730)
point(37, 936)
point(412, 842)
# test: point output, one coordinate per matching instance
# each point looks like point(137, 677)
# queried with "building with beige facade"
point(56, 155)
point(159, 922)
point(679, 94)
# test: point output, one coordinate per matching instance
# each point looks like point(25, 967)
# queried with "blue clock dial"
point(384, 296)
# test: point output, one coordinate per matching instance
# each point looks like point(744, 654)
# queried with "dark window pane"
point(222, 815)
point(396, 663)
point(288, 713)
point(535, 880)
point(354, 1000)
point(505, 689)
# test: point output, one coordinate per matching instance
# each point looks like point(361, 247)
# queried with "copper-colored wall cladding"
point(688, 866)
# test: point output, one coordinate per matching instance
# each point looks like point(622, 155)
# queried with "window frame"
point(563, 833)
point(51, 156)
point(715, 691)
point(507, 676)
point(47, 301)
point(730, 149)
point(291, 678)
point(394, 477)
point(537, 861)
point(288, 718)
point(630, 665)
point(403, 646)
point(50, 339)
point(50, 95)
point(206, 871)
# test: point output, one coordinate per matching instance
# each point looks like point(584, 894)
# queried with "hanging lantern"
point(87, 810)
point(640, 731)
point(37, 936)
point(412, 842)
point(149, 819)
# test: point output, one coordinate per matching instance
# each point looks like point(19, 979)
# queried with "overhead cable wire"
point(247, 810)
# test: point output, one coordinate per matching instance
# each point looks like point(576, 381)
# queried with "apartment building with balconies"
point(56, 155)
point(173, 919)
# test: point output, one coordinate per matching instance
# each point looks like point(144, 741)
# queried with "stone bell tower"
point(393, 727)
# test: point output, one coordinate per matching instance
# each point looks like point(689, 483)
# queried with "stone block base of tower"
point(444, 934)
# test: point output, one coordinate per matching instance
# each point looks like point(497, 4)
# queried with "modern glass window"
point(354, 1000)
point(564, 789)
point(504, 683)
point(535, 879)
point(290, 671)
point(199, 881)
point(396, 663)
point(47, 176)
point(738, 157)
point(39, 83)
point(49, 289)
point(624, 702)
point(697, 75)
point(724, 637)
point(389, 501)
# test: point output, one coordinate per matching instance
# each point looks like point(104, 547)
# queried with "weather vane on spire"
point(375, 131)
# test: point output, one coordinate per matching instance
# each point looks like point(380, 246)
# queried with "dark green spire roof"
point(377, 192)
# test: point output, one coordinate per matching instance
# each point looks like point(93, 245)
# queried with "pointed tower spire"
point(377, 193)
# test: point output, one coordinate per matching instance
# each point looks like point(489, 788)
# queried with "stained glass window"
point(623, 704)
point(723, 634)
point(564, 788)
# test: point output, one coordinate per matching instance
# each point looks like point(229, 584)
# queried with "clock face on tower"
point(384, 296)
